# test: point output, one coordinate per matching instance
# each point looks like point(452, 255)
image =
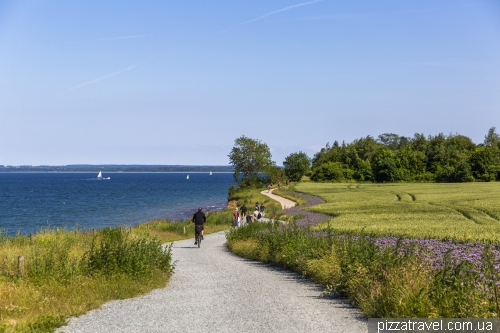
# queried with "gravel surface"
point(285, 203)
point(213, 290)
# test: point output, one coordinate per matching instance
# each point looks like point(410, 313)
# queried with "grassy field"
point(469, 211)
point(68, 273)
point(393, 250)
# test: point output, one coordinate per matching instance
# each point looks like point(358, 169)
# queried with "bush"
point(332, 171)
point(113, 252)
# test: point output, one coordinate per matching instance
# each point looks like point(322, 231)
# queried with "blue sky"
point(176, 82)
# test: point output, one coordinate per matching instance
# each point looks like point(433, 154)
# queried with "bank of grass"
point(392, 277)
point(67, 273)
point(251, 196)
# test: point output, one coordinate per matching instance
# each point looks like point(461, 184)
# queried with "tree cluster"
point(393, 158)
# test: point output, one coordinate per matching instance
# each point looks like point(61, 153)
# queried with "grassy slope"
point(469, 211)
point(40, 306)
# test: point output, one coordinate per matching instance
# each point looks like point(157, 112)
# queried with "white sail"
point(187, 177)
point(99, 175)
point(210, 173)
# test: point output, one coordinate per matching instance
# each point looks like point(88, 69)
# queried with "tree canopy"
point(394, 158)
point(296, 165)
point(250, 158)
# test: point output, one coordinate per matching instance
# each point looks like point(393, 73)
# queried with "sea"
point(30, 202)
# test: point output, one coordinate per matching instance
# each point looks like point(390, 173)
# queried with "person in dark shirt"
point(199, 219)
point(243, 210)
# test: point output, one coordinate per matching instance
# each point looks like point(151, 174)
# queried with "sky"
point(176, 82)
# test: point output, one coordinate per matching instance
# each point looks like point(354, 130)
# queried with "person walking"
point(279, 185)
point(256, 206)
point(236, 218)
point(243, 211)
point(199, 220)
point(262, 207)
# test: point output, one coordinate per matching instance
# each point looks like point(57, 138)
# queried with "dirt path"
point(213, 290)
point(285, 203)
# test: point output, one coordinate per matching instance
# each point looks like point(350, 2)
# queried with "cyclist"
point(199, 219)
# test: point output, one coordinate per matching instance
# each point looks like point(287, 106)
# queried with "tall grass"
point(411, 250)
point(67, 273)
point(395, 281)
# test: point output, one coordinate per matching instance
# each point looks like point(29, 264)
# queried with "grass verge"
point(391, 276)
point(67, 273)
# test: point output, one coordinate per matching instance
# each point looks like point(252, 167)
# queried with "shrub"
point(113, 252)
point(332, 171)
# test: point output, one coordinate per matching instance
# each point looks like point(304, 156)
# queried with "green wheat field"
point(466, 211)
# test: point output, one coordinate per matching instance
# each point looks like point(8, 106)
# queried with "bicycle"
point(199, 236)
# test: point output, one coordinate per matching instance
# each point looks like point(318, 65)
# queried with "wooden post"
point(93, 232)
point(184, 229)
point(130, 228)
point(20, 265)
point(32, 238)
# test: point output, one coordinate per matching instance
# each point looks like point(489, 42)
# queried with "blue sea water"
point(31, 201)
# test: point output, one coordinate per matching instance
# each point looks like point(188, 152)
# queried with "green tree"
point(384, 166)
point(366, 147)
point(333, 171)
point(296, 165)
point(413, 161)
point(274, 175)
point(250, 158)
point(492, 139)
point(363, 170)
point(393, 141)
point(485, 161)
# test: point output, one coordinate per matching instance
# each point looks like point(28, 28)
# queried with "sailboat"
point(99, 176)
point(187, 177)
point(210, 173)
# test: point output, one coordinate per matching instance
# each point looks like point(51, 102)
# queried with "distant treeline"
point(117, 168)
point(392, 158)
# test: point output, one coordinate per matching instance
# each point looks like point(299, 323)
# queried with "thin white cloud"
point(110, 75)
point(116, 38)
point(102, 78)
point(276, 12)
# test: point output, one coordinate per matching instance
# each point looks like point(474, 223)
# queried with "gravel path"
point(285, 203)
point(213, 290)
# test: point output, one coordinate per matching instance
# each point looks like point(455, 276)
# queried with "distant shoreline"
point(106, 171)
point(118, 168)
